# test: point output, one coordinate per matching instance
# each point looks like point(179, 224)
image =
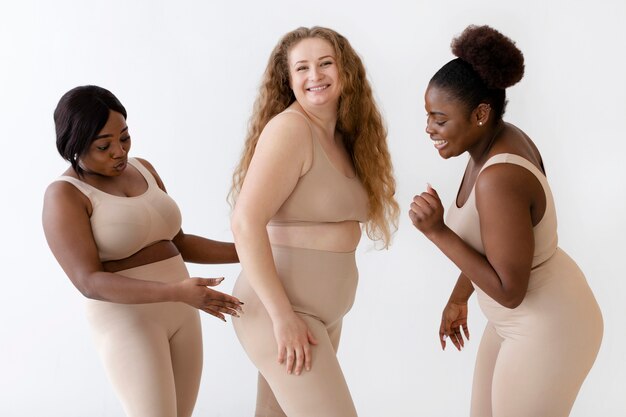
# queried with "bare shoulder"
point(505, 182)
point(289, 126)
point(62, 191)
point(63, 200)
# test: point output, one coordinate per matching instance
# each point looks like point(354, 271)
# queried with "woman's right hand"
point(453, 319)
point(294, 340)
point(195, 292)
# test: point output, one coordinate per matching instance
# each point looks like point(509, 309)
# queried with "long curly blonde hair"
point(358, 120)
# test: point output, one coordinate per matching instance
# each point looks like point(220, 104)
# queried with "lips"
point(439, 143)
point(318, 88)
point(120, 165)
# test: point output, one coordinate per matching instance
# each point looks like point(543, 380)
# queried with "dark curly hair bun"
point(494, 57)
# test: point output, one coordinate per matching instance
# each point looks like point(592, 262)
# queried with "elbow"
point(237, 226)
point(241, 225)
point(87, 288)
point(88, 292)
point(511, 304)
point(512, 301)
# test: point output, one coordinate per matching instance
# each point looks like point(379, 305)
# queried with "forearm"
point(462, 291)
point(473, 265)
point(197, 249)
point(256, 259)
point(106, 286)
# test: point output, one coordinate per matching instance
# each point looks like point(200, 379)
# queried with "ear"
point(482, 113)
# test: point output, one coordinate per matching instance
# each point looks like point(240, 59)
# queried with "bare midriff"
point(333, 237)
point(156, 252)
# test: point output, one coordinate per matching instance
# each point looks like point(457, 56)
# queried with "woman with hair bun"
point(315, 166)
point(544, 326)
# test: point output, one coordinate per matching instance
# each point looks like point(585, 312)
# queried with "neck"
point(323, 117)
point(480, 151)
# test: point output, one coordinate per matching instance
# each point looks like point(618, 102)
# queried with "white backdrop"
point(188, 72)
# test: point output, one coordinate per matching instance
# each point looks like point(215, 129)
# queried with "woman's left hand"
point(426, 211)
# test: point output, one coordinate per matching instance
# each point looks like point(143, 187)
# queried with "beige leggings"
point(533, 359)
point(321, 286)
point(152, 353)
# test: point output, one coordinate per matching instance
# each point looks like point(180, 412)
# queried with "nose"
point(429, 128)
point(118, 150)
point(315, 73)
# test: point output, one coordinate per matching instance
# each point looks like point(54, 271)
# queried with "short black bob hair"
point(80, 114)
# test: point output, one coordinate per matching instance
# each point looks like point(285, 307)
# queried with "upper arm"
point(503, 200)
point(68, 232)
point(282, 155)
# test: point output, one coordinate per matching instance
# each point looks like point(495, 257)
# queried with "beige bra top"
point(465, 222)
point(323, 194)
point(122, 226)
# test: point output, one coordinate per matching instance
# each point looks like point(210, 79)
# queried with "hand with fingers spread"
point(426, 211)
point(453, 319)
point(294, 340)
point(195, 292)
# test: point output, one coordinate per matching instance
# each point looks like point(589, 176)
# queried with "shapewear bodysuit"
point(152, 352)
point(320, 285)
point(533, 359)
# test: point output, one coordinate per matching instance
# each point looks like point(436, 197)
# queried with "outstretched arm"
point(198, 249)
point(68, 231)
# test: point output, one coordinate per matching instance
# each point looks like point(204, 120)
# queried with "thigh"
point(483, 372)
point(266, 403)
point(322, 391)
point(138, 364)
point(186, 354)
point(535, 378)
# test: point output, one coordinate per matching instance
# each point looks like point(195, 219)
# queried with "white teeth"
point(439, 142)
point(320, 88)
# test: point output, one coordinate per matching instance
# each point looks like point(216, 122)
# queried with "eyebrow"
point(319, 59)
point(109, 135)
point(437, 113)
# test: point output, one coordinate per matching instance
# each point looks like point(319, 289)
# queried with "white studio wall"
point(188, 72)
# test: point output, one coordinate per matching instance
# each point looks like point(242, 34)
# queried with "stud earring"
point(480, 123)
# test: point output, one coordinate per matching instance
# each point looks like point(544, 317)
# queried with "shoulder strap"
point(510, 158)
point(83, 187)
point(145, 172)
point(315, 146)
point(308, 122)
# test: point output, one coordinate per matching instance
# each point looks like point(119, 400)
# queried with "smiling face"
point(107, 154)
point(313, 72)
point(450, 127)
